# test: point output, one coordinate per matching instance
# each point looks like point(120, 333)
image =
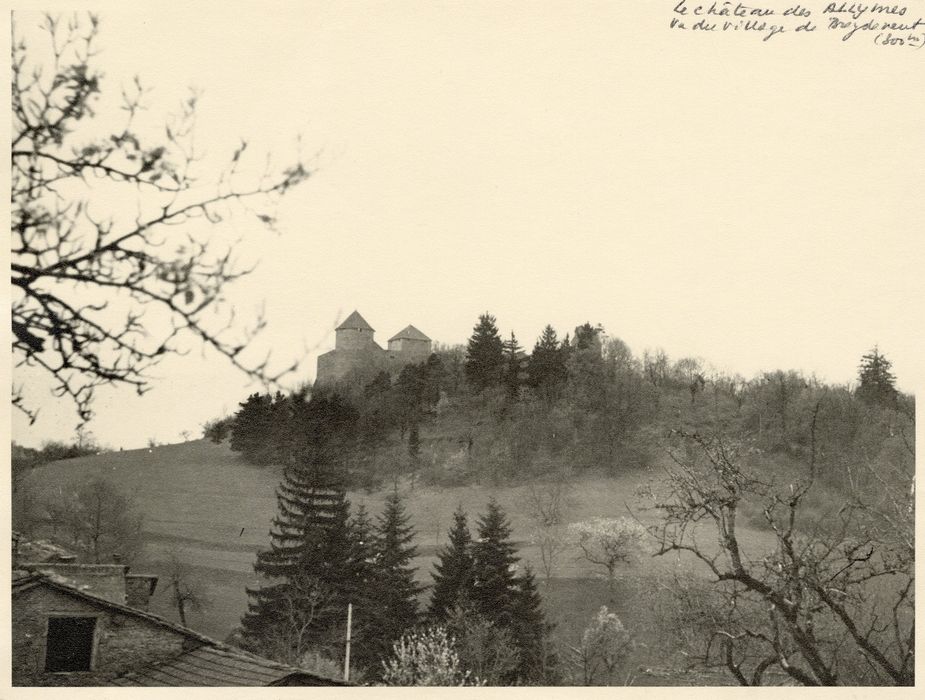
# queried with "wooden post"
point(347, 653)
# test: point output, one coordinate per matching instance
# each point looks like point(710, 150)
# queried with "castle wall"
point(353, 339)
point(406, 351)
point(360, 363)
point(357, 357)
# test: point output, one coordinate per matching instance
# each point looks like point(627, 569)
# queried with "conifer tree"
point(396, 597)
point(484, 354)
point(313, 567)
point(453, 572)
point(493, 561)
point(366, 616)
point(252, 428)
point(512, 366)
point(310, 542)
point(546, 369)
point(877, 382)
point(537, 664)
point(509, 601)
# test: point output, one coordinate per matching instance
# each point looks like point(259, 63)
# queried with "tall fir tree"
point(366, 617)
point(877, 384)
point(493, 563)
point(452, 575)
point(509, 601)
point(546, 369)
point(513, 366)
point(484, 355)
point(531, 632)
point(397, 590)
point(312, 544)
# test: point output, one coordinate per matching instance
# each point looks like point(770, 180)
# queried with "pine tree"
point(453, 572)
point(484, 355)
point(877, 383)
point(546, 369)
point(313, 567)
point(366, 615)
point(512, 366)
point(537, 664)
point(310, 545)
point(493, 562)
point(509, 601)
point(252, 428)
point(396, 598)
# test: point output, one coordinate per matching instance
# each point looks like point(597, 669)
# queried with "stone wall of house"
point(102, 580)
point(123, 642)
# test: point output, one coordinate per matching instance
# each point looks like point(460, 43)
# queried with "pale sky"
point(758, 205)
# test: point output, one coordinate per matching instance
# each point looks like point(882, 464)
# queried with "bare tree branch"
point(100, 299)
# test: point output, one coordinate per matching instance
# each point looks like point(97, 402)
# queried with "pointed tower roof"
point(409, 333)
point(354, 322)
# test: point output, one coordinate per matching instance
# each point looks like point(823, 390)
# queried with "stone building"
point(87, 625)
point(357, 356)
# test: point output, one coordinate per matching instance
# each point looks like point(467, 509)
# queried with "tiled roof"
point(22, 580)
point(34, 578)
point(220, 666)
point(211, 663)
point(409, 333)
point(354, 322)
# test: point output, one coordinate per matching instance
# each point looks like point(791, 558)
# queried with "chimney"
point(138, 590)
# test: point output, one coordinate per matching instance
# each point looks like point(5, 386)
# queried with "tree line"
point(325, 555)
point(490, 411)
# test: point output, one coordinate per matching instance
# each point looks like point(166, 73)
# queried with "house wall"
point(102, 580)
point(123, 642)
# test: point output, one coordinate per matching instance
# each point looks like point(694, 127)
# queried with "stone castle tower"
point(357, 355)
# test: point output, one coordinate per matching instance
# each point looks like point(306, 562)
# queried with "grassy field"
point(203, 501)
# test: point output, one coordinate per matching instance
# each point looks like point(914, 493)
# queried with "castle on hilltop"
point(356, 354)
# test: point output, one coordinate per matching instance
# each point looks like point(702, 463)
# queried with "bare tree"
point(115, 256)
point(608, 542)
point(99, 521)
point(304, 602)
point(186, 590)
point(831, 600)
point(545, 505)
